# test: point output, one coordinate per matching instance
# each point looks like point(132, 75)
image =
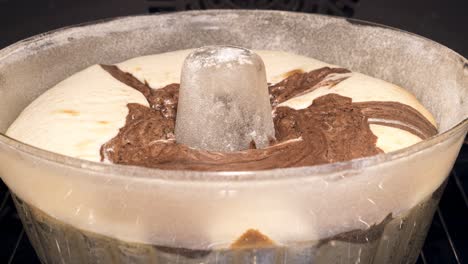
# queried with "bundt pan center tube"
point(369, 210)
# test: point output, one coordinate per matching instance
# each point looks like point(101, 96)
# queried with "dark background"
point(445, 21)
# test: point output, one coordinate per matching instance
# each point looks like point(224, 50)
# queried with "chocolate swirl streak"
point(164, 100)
point(300, 83)
point(331, 129)
point(397, 115)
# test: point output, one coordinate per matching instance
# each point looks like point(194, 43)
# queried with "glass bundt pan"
point(370, 210)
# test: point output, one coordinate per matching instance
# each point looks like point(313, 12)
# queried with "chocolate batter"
point(331, 129)
point(252, 239)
